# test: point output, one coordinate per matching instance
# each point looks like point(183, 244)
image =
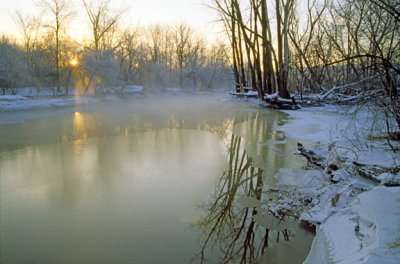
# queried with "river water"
point(142, 181)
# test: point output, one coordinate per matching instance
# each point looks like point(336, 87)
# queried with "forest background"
point(348, 50)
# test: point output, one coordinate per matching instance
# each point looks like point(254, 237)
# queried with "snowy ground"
point(18, 102)
point(358, 221)
point(29, 98)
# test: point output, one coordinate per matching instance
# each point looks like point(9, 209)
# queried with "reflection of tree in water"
point(241, 231)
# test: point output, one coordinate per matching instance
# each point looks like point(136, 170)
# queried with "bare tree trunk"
point(283, 46)
point(243, 79)
point(235, 55)
point(266, 44)
point(257, 55)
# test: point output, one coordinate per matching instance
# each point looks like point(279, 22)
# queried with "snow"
point(28, 98)
point(24, 103)
point(133, 89)
point(245, 94)
point(389, 179)
point(343, 129)
point(311, 123)
point(12, 97)
point(366, 232)
point(358, 221)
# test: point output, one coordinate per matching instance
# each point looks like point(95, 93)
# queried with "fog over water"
point(123, 181)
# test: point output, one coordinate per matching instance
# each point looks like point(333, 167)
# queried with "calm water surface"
point(133, 181)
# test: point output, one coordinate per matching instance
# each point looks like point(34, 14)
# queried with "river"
point(143, 181)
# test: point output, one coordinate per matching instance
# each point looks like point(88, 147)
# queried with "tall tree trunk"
point(57, 59)
point(285, 69)
point(283, 47)
point(267, 58)
point(257, 55)
point(243, 79)
point(235, 54)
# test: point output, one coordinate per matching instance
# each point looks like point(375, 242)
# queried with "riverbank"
point(357, 219)
point(32, 99)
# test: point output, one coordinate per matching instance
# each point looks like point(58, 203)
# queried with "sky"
point(139, 12)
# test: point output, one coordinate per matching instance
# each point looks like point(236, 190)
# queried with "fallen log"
point(334, 171)
point(311, 156)
point(245, 94)
point(277, 102)
point(388, 176)
point(342, 87)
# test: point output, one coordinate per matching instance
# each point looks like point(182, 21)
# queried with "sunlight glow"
point(74, 62)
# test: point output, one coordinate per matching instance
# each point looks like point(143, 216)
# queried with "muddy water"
point(131, 181)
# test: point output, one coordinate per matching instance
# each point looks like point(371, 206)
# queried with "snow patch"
point(358, 221)
point(129, 89)
point(12, 97)
point(389, 179)
point(33, 98)
point(367, 232)
point(44, 103)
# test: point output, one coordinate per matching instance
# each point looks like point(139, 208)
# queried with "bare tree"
point(250, 25)
point(391, 7)
point(366, 37)
point(29, 28)
point(183, 40)
point(128, 54)
point(284, 9)
point(103, 20)
point(13, 67)
point(306, 42)
point(61, 12)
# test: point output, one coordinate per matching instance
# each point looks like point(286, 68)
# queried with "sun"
point(73, 62)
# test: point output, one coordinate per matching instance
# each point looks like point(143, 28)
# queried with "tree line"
point(348, 50)
point(154, 56)
point(343, 49)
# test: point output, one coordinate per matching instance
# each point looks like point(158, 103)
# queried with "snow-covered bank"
point(358, 220)
point(366, 231)
point(29, 98)
point(18, 102)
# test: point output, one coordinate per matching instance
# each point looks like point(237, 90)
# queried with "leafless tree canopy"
point(348, 50)
point(112, 55)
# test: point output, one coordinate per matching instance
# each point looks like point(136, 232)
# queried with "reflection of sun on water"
point(79, 128)
point(79, 131)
